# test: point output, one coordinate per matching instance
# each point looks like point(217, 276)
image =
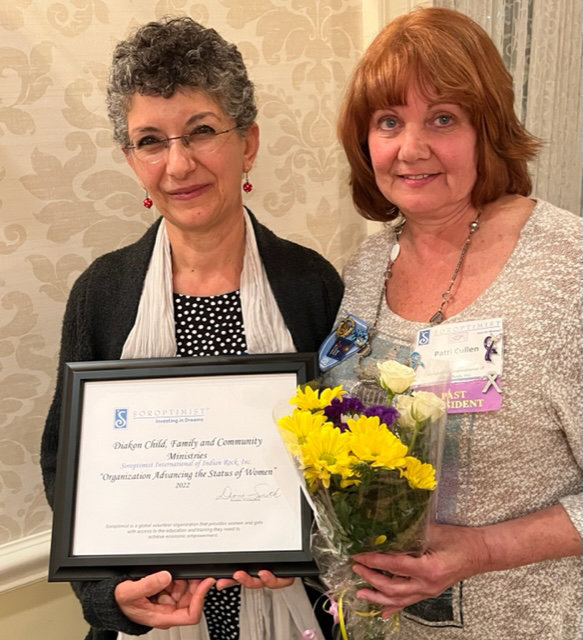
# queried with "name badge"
point(474, 351)
point(349, 337)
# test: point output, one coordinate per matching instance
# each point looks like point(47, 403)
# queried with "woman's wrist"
point(543, 535)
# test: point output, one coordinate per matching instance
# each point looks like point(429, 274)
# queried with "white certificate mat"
point(186, 468)
point(196, 466)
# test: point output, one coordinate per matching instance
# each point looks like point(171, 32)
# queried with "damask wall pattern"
point(67, 196)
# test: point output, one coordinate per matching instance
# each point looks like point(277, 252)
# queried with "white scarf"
point(281, 614)
point(152, 335)
point(266, 614)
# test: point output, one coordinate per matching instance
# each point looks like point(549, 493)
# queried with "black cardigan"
point(100, 313)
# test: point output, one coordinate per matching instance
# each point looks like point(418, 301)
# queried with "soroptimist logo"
point(424, 337)
point(120, 419)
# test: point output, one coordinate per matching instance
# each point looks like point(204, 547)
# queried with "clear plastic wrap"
point(370, 470)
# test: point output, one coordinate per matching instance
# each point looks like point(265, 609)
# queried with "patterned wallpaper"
point(67, 196)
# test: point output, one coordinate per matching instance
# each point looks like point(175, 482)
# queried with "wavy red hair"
point(447, 56)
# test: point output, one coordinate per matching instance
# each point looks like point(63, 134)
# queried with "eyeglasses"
point(152, 149)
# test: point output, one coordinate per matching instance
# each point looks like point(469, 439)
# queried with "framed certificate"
point(177, 464)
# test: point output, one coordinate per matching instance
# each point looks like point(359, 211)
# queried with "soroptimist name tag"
point(474, 351)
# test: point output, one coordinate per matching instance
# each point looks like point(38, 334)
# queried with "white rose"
point(426, 405)
point(395, 376)
point(403, 406)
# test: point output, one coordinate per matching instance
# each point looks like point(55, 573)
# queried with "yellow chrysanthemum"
point(324, 453)
point(371, 441)
point(309, 399)
point(348, 481)
point(420, 475)
point(295, 429)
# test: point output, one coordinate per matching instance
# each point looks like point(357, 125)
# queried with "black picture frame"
point(64, 565)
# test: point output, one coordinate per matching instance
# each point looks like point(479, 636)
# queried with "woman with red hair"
point(437, 153)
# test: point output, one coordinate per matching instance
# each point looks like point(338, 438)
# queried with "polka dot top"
point(209, 325)
point(221, 611)
point(213, 326)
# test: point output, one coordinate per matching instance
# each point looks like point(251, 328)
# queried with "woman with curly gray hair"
point(183, 111)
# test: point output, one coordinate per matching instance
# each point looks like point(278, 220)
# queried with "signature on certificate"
point(262, 491)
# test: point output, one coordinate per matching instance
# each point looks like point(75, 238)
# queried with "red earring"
point(148, 201)
point(247, 186)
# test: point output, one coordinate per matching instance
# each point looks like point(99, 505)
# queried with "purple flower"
point(387, 415)
point(339, 407)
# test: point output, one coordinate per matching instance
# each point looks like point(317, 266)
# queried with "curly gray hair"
point(161, 57)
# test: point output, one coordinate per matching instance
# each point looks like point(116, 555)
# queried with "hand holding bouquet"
point(370, 473)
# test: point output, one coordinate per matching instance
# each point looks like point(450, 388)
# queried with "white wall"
point(41, 611)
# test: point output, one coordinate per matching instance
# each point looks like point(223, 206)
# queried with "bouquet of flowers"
point(370, 473)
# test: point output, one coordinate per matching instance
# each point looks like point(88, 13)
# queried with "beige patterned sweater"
point(527, 456)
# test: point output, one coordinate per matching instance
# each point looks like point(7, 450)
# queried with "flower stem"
point(396, 622)
point(413, 438)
